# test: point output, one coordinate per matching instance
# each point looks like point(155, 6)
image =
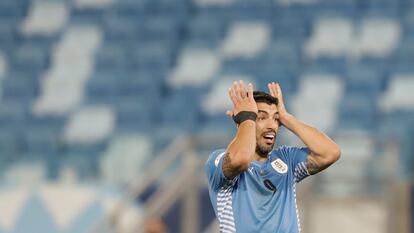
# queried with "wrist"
point(244, 116)
point(285, 119)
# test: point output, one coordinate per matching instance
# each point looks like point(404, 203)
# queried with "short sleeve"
point(214, 170)
point(297, 157)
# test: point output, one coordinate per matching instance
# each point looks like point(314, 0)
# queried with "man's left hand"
point(276, 91)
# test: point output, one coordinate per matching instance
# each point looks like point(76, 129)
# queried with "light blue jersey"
point(263, 198)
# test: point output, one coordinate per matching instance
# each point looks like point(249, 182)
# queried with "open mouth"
point(269, 137)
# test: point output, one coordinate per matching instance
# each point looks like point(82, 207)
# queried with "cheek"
point(259, 127)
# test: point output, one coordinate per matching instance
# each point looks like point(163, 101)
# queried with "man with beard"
point(252, 186)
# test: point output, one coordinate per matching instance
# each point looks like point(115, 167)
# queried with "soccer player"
point(252, 186)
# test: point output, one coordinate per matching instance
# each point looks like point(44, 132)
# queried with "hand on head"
point(276, 91)
point(242, 98)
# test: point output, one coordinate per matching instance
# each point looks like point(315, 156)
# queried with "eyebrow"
point(262, 111)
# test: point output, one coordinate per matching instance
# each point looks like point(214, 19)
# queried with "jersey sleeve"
point(297, 157)
point(214, 170)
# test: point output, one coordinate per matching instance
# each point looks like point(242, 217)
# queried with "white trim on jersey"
point(301, 172)
point(225, 210)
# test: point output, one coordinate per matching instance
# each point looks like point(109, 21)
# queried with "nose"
point(272, 124)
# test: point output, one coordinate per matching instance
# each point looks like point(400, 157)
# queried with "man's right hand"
point(242, 100)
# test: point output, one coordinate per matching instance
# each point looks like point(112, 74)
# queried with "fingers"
point(238, 92)
point(273, 89)
point(239, 89)
point(279, 90)
point(233, 96)
point(250, 91)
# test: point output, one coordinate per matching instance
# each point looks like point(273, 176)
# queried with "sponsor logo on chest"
point(280, 166)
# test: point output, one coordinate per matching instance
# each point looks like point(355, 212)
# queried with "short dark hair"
point(263, 97)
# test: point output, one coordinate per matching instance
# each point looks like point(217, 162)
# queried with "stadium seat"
point(364, 80)
point(213, 3)
point(129, 152)
point(245, 39)
point(195, 67)
point(330, 37)
point(358, 111)
point(111, 57)
point(399, 94)
point(206, 29)
point(151, 56)
point(376, 37)
point(93, 4)
point(43, 142)
point(318, 108)
point(45, 17)
point(90, 125)
point(12, 114)
point(217, 100)
point(134, 114)
point(122, 29)
point(101, 88)
point(30, 58)
point(21, 87)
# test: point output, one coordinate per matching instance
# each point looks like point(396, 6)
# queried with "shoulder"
point(217, 153)
point(215, 156)
point(288, 150)
point(281, 151)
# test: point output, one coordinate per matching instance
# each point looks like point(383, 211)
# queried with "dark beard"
point(262, 151)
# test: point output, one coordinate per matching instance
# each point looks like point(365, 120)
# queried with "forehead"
point(269, 108)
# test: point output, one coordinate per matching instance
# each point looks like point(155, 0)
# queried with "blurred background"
point(109, 108)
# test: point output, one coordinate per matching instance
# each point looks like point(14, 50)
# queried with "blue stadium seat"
point(101, 88)
point(49, 122)
point(13, 9)
point(134, 114)
point(177, 9)
point(111, 57)
point(7, 36)
point(151, 55)
point(338, 8)
point(121, 29)
point(20, 87)
point(364, 80)
point(358, 111)
point(286, 77)
point(10, 147)
point(137, 9)
point(382, 8)
point(206, 29)
point(162, 27)
point(30, 58)
point(398, 126)
point(87, 16)
point(140, 85)
point(12, 115)
point(83, 159)
point(335, 65)
point(180, 110)
point(42, 141)
point(246, 10)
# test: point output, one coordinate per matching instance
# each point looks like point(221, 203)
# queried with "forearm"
point(241, 149)
point(316, 141)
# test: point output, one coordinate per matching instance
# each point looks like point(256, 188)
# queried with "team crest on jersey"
point(216, 162)
point(280, 166)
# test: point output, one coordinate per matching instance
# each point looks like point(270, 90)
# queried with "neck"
point(259, 158)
